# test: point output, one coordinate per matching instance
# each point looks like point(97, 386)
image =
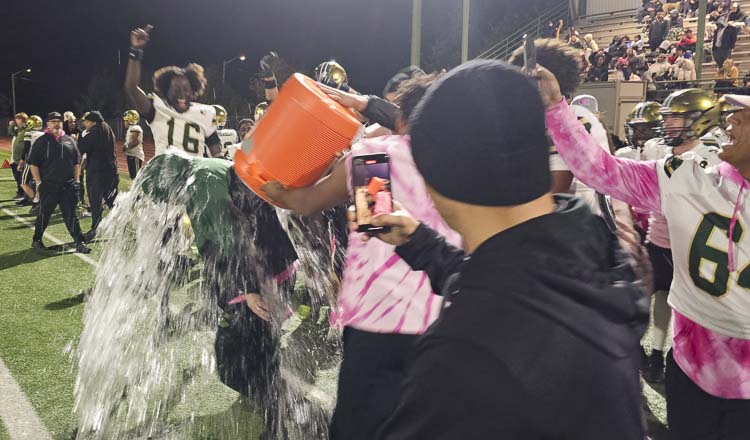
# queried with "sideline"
point(50, 237)
point(16, 412)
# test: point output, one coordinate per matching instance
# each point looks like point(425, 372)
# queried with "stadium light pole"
point(13, 86)
point(416, 32)
point(702, 9)
point(226, 63)
point(465, 32)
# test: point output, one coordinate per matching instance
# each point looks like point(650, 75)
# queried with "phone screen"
point(371, 181)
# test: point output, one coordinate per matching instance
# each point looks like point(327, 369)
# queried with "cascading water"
point(147, 366)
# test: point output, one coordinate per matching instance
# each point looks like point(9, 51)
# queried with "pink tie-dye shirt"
point(379, 291)
point(718, 364)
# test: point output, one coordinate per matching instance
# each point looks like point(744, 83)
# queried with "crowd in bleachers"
point(663, 54)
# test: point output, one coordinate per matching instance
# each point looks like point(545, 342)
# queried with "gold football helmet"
point(726, 109)
point(131, 117)
point(331, 74)
point(221, 116)
point(34, 122)
point(260, 111)
point(698, 107)
point(642, 123)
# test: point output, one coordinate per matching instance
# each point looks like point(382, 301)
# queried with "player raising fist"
point(175, 120)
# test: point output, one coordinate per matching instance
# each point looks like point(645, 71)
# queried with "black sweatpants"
point(134, 165)
point(373, 368)
point(102, 187)
point(51, 195)
point(693, 414)
point(17, 177)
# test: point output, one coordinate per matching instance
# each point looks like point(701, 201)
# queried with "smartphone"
point(529, 55)
point(371, 182)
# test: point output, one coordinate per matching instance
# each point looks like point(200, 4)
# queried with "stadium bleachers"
point(605, 27)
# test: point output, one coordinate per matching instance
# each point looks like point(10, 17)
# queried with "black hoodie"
point(99, 147)
point(540, 341)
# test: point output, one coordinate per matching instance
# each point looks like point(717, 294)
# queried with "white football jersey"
point(232, 150)
point(628, 153)
point(699, 203)
point(184, 131)
point(655, 149)
point(716, 137)
point(32, 136)
point(135, 131)
point(228, 138)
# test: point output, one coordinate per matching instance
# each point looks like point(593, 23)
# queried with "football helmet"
point(131, 117)
point(221, 116)
point(643, 123)
point(698, 108)
point(331, 74)
point(34, 122)
point(726, 109)
point(260, 110)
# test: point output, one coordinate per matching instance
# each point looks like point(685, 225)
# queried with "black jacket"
point(99, 147)
point(728, 38)
point(541, 340)
point(658, 31)
point(56, 158)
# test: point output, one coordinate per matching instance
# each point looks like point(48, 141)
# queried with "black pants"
point(102, 187)
point(693, 414)
point(17, 176)
point(51, 195)
point(720, 55)
point(134, 165)
point(372, 371)
point(661, 262)
point(654, 44)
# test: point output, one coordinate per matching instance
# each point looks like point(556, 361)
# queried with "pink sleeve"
point(635, 183)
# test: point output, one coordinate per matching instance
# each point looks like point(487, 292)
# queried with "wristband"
point(270, 83)
point(135, 54)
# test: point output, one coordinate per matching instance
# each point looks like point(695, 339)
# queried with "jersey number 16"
point(190, 144)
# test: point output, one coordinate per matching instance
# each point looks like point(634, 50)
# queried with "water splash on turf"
point(147, 366)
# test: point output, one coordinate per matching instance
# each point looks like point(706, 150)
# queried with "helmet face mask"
point(131, 117)
point(675, 135)
point(34, 122)
point(221, 116)
point(260, 111)
point(331, 74)
point(643, 123)
point(698, 112)
point(638, 133)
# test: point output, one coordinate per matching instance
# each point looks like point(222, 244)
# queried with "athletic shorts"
point(26, 177)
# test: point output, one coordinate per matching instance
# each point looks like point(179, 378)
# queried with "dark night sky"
point(65, 42)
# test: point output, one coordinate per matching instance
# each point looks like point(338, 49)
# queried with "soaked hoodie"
point(540, 340)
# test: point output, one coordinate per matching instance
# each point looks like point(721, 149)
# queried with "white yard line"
point(16, 412)
point(50, 237)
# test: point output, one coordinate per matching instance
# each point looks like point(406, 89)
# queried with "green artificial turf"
point(41, 307)
point(3, 432)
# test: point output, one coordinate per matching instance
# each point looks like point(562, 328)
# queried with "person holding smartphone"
point(544, 312)
point(383, 305)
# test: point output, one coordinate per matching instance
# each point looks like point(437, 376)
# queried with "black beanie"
point(94, 116)
point(478, 136)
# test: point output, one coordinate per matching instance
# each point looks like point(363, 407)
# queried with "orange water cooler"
point(298, 137)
